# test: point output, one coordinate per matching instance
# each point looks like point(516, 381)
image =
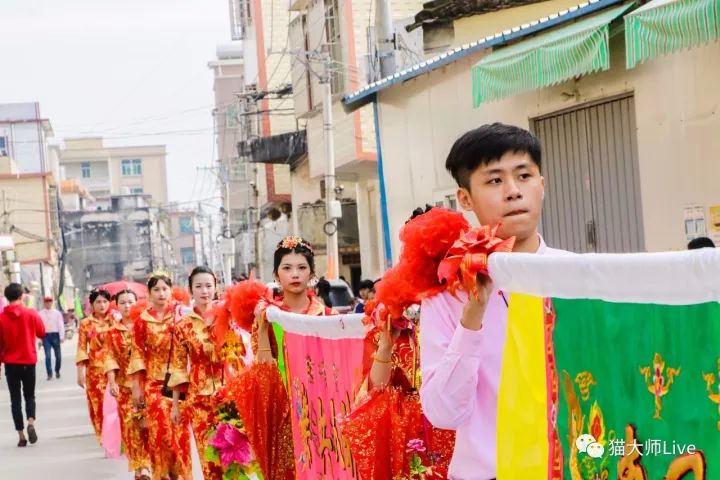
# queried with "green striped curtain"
point(666, 26)
point(578, 49)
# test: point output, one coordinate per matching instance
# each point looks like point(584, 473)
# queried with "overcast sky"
point(124, 69)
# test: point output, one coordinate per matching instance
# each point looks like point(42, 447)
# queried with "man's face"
point(509, 191)
point(48, 304)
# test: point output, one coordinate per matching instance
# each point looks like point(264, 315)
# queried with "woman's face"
point(203, 289)
point(294, 273)
point(125, 303)
point(160, 294)
point(101, 305)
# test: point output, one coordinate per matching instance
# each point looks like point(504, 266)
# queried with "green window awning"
point(548, 59)
point(666, 26)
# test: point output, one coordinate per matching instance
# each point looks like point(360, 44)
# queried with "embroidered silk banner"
point(323, 358)
point(624, 383)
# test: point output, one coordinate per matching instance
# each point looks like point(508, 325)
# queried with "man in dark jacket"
point(19, 326)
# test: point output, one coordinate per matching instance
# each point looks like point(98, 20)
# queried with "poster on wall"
point(694, 219)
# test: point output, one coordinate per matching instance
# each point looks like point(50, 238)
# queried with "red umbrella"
point(139, 289)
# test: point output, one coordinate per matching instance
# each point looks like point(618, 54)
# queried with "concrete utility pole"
point(223, 176)
point(229, 260)
point(200, 217)
point(385, 37)
point(255, 222)
point(332, 206)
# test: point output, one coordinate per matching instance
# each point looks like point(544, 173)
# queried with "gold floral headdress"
point(293, 241)
point(160, 273)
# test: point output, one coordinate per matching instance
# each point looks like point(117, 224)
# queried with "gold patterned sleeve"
point(137, 352)
point(110, 359)
point(192, 335)
point(179, 360)
point(82, 357)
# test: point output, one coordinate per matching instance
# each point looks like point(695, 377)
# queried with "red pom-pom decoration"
point(181, 296)
point(243, 299)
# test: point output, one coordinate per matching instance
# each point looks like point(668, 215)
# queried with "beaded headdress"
point(292, 242)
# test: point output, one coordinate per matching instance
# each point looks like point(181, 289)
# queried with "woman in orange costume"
point(412, 447)
point(154, 360)
point(117, 360)
point(212, 362)
point(90, 358)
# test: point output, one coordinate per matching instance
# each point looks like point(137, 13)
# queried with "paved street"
point(66, 448)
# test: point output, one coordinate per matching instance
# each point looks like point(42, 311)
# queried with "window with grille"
point(131, 167)
point(238, 216)
point(332, 36)
point(85, 169)
point(188, 255)
point(3, 146)
point(238, 170)
point(231, 116)
point(136, 190)
point(240, 18)
point(186, 225)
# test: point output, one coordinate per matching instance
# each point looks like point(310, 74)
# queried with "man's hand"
point(474, 310)
point(81, 377)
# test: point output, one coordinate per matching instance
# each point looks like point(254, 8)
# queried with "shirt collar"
point(543, 246)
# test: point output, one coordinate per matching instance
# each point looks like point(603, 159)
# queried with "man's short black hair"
point(368, 284)
point(700, 242)
point(487, 144)
point(14, 292)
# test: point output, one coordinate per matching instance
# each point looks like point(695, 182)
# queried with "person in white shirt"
point(54, 336)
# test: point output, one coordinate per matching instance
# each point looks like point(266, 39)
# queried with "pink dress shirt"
point(461, 377)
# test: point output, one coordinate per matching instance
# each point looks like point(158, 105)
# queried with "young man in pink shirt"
point(497, 169)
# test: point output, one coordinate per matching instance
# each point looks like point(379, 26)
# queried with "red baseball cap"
point(48, 299)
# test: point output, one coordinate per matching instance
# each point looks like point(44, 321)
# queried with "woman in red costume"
point(390, 401)
point(117, 360)
point(293, 267)
point(90, 358)
point(258, 393)
point(154, 361)
point(215, 353)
